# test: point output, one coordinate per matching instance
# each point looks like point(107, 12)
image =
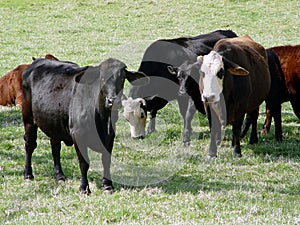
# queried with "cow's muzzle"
point(112, 102)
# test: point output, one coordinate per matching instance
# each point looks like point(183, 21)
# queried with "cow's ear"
point(172, 70)
point(137, 78)
point(87, 75)
point(238, 70)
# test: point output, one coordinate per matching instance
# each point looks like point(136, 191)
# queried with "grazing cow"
point(76, 105)
point(135, 113)
point(164, 86)
point(235, 76)
point(11, 84)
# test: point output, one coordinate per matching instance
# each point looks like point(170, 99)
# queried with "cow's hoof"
point(237, 155)
point(108, 189)
point(263, 132)
point(28, 177)
point(85, 191)
point(253, 141)
point(186, 143)
point(209, 157)
point(60, 177)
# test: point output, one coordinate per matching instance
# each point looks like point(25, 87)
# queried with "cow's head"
point(112, 74)
point(187, 75)
point(212, 72)
point(136, 114)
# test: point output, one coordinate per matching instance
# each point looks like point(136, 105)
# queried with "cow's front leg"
point(187, 110)
point(84, 167)
point(236, 131)
point(58, 173)
point(151, 126)
point(107, 185)
point(30, 137)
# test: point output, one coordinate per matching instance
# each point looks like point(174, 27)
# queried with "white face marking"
point(136, 116)
point(212, 85)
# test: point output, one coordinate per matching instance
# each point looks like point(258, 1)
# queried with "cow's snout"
point(182, 91)
point(138, 137)
point(209, 98)
point(112, 101)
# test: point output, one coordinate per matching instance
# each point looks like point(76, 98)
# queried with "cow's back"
point(251, 56)
point(47, 88)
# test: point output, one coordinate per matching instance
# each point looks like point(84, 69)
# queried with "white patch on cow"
point(136, 116)
point(212, 85)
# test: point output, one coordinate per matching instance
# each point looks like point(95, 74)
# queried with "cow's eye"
point(220, 74)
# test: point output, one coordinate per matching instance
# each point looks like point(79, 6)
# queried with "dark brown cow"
point(289, 57)
point(11, 84)
point(234, 80)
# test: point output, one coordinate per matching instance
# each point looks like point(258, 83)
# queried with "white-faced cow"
point(135, 113)
point(164, 86)
point(234, 76)
point(76, 105)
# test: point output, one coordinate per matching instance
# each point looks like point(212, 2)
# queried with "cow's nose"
point(209, 98)
point(182, 91)
point(110, 101)
point(138, 137)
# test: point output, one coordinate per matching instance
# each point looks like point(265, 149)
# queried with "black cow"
point(234, 80)
point(164, 86)
point(74, 105)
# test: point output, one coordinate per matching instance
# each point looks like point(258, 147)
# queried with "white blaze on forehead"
point(212, 85)
point(135, 115)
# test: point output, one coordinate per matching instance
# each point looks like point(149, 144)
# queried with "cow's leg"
point(268, 121)
point(246, 125)
point(236, 132)
point(254, 116)
point(187, 111)
point(107, 185)
point(276, 113)
point(58, 173)
point(156, 104)
point(30, 137)
point(84, 167)
point(151, 126)
point(215, 130)
point(295, 104)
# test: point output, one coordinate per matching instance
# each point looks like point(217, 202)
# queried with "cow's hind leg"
point(246, 125)
point(30, 137)
point(58, 173)
point(253, 135)
point(268, 122)
point(84, 167)
point(276, 113)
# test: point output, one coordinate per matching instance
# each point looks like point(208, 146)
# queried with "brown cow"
point(289, 57)
point(11, 84)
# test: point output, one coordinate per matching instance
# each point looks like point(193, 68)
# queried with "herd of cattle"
point(219, 74)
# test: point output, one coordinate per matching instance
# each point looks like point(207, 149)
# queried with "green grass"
point(178, 185)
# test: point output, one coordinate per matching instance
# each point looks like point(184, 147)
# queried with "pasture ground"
point(262, 187)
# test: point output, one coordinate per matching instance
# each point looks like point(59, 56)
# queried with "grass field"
point(157, 181)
